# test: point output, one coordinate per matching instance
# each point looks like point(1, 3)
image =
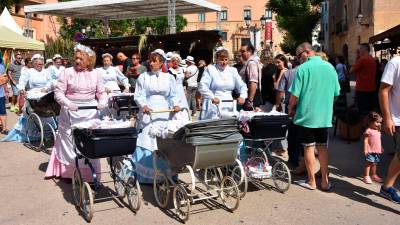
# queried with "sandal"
point(5, 132)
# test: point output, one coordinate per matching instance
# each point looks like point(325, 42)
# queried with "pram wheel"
point(34, 131)
point(161, 189)
point(230, 193)
point(133, 194)
point(237, 174)
point(213, 176)
point(281, 176)
point(77, 187)
point(49, 136)
point(181, 203)
point(87, 202)
point(119, 187)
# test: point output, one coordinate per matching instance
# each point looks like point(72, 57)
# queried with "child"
point(372, 147)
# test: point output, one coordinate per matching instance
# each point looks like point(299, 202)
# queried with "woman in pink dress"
point(80, 85)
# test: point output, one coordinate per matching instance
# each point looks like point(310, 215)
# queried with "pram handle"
point(167, 110)
point(87, 107)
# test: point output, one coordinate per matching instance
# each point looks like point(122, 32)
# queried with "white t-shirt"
point(194, 71)
point(391, 76)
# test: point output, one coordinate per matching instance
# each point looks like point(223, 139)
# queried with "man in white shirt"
point(191, 74)
point(389, 96)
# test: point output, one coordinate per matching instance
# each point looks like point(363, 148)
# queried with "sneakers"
point(367, 180)
point(14, 108)
point(390, 194)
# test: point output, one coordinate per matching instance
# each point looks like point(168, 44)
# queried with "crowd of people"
point(304, 87)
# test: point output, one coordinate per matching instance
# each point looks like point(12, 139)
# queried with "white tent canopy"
point(7, 21)
point(121, 9)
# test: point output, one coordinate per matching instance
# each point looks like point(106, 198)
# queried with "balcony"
point(32, 2)
point(341, 27)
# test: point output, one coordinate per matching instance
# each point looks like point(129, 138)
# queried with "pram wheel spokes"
point(77, 185)
point(161, 189)
point(87, 202)
point(281, 176)
point(49, 136)
point(230, 193)
point(237, 174)
point(213, 176)
point(133, 194)
point(119, 187)
point(34, 131)
point(181, 203)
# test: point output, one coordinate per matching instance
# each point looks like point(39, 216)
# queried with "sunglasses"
point(135, 58)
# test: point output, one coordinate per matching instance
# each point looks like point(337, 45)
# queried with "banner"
point(268, 31)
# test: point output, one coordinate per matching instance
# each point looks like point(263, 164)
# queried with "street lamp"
point(360, 18)
point(254, 29)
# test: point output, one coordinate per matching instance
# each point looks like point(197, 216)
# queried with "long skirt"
point(62, 160)
point(143, 160)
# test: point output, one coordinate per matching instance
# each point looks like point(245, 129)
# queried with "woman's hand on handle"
point(146, 109)
point(101, 106)
point(73, 107)
point(215, 100)
point(177, 109)
point(240, 101)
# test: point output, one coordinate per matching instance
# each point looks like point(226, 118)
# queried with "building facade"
point(352, 22)
point(233, 26)
point(39, 27)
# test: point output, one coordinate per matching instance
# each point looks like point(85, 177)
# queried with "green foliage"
point(8, 4)
point(297, 18)
point(157, 25)
point(64, 47)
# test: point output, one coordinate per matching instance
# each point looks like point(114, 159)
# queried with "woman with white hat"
point(57, 67)
point(33, 78)
point(216, 85)
point(112, 76)
point(80, 85)
point(179, 75)
point(155, 90)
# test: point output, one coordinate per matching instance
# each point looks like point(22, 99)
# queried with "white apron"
point(64, 142)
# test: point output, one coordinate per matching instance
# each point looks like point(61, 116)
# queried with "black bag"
point(268, 127)
point(101, 143)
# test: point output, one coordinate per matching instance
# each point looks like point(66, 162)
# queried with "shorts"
point(373, 157)
point(14, 90)
point(396, 138)
point(3, 111)
point(312, 136)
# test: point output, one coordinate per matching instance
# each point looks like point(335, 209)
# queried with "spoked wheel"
point(133, 194)
point(237, 174)
point(87, 202)
point(281, 176)
point(161, 189)
point(77, 185)
point(49, 136)
point(230, 193)
point(34, 131)
point(119, 187)
point(213, 176)
point(181, 203)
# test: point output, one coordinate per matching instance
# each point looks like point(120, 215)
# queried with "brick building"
point(352, 22)
point(39, 27)
point(233, 26)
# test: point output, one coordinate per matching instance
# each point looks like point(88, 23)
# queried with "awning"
point(387, 39)
point(10, 39)
point(120, 9)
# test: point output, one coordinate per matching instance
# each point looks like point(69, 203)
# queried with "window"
point(247, 13)
point(224, 36)
point(223, 15)
point(202, 17)
point(17, 9)
point(29, 33)
point(268, 14)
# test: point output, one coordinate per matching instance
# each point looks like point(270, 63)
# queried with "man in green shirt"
point(311, 103)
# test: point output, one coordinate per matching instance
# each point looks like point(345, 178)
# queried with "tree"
point(8, 3)
point(297, 18)
point(157, 25)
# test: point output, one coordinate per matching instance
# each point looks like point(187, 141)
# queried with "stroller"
point(204, 145)
point(103, 143)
